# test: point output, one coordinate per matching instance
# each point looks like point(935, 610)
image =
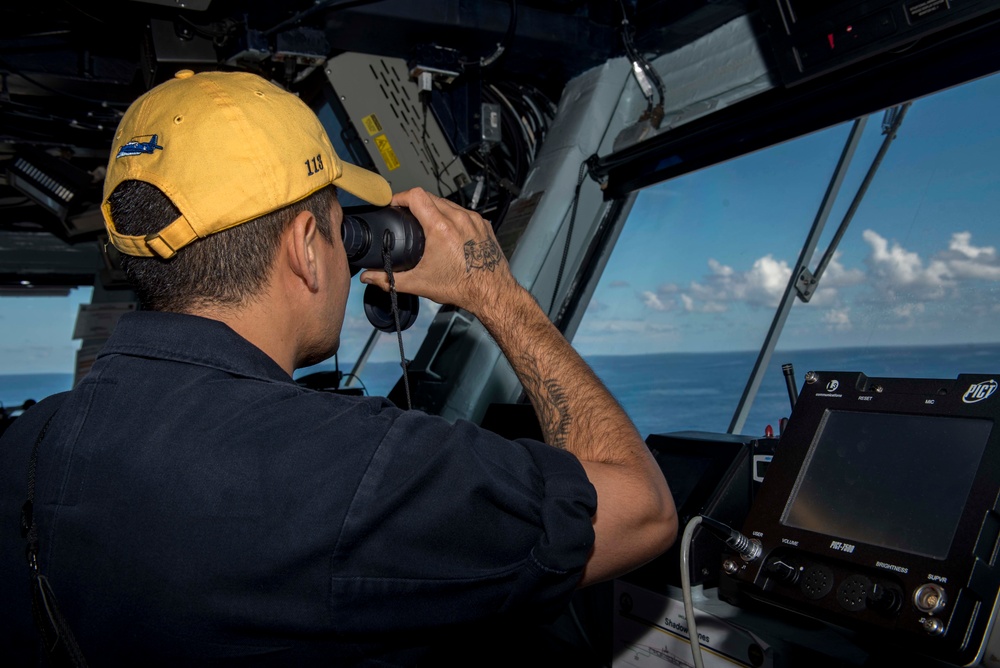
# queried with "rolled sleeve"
point(567, 537)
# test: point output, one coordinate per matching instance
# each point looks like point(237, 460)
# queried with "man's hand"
point(462, 263)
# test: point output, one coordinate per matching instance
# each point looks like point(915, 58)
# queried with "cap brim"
point(367, 185)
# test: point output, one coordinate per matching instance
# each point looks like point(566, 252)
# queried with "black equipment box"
point(880, 513)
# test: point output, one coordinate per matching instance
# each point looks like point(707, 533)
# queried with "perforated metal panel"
point(403, 137)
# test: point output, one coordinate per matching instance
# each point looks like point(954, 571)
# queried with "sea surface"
point(680, 391)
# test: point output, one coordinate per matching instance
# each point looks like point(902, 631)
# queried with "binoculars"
point(366, 233)
point(370, 233)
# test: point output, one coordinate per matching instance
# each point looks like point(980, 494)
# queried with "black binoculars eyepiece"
point(367, 233)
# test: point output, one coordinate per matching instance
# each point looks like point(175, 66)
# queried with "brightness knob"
point(887, 600)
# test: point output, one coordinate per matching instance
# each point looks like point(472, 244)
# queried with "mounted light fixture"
point(59, 187)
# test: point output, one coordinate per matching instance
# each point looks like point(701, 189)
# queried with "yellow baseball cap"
point(225, 147)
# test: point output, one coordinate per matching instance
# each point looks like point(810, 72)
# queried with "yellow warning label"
point(391, 161)
point(372, 124)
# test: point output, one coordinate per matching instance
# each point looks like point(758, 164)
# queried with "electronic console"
point(812, 37)
point(880, 512)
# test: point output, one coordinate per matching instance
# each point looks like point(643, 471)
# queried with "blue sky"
point(705, 257)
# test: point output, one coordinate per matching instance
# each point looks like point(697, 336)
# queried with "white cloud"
point(663, 299)
point(767, 280)
point(899, 279)
point(839, 276)
point(718, 268)
point(762, 285)
point(960, 243)
point(970, 262)
point(651, 301)
point(895, 269)
point(838, 319)
point(962, 269)
point(704, 307)
point(896, 262)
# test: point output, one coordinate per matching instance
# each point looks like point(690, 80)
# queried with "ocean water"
point(680, 391)
point(701, 391)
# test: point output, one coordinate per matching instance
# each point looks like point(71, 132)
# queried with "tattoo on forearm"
point(482, 255)
point(557, 413)
point(551, 405)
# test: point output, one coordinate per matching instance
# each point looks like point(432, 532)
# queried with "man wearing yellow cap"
point(192, 505)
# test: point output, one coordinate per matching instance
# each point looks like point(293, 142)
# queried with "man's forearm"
point(575, 410)
point(635, 518)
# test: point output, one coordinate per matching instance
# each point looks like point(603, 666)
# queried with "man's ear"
point(299, 248)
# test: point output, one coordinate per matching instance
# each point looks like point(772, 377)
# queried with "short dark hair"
point(228, 268)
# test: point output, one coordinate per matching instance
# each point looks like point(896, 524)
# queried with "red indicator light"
point(850, 28)
point(829, 38)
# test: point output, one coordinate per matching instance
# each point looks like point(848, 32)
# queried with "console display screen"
point(891, 480)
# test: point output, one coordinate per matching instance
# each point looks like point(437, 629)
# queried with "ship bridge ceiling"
point(69, 68)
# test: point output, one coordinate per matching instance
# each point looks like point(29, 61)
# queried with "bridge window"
point(691, 290)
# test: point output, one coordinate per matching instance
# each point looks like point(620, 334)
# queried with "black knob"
point(885, 598)
point(782, 571)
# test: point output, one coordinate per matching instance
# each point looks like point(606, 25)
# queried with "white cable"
point(686, 590)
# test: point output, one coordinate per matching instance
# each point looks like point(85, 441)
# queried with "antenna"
point(790, 382)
